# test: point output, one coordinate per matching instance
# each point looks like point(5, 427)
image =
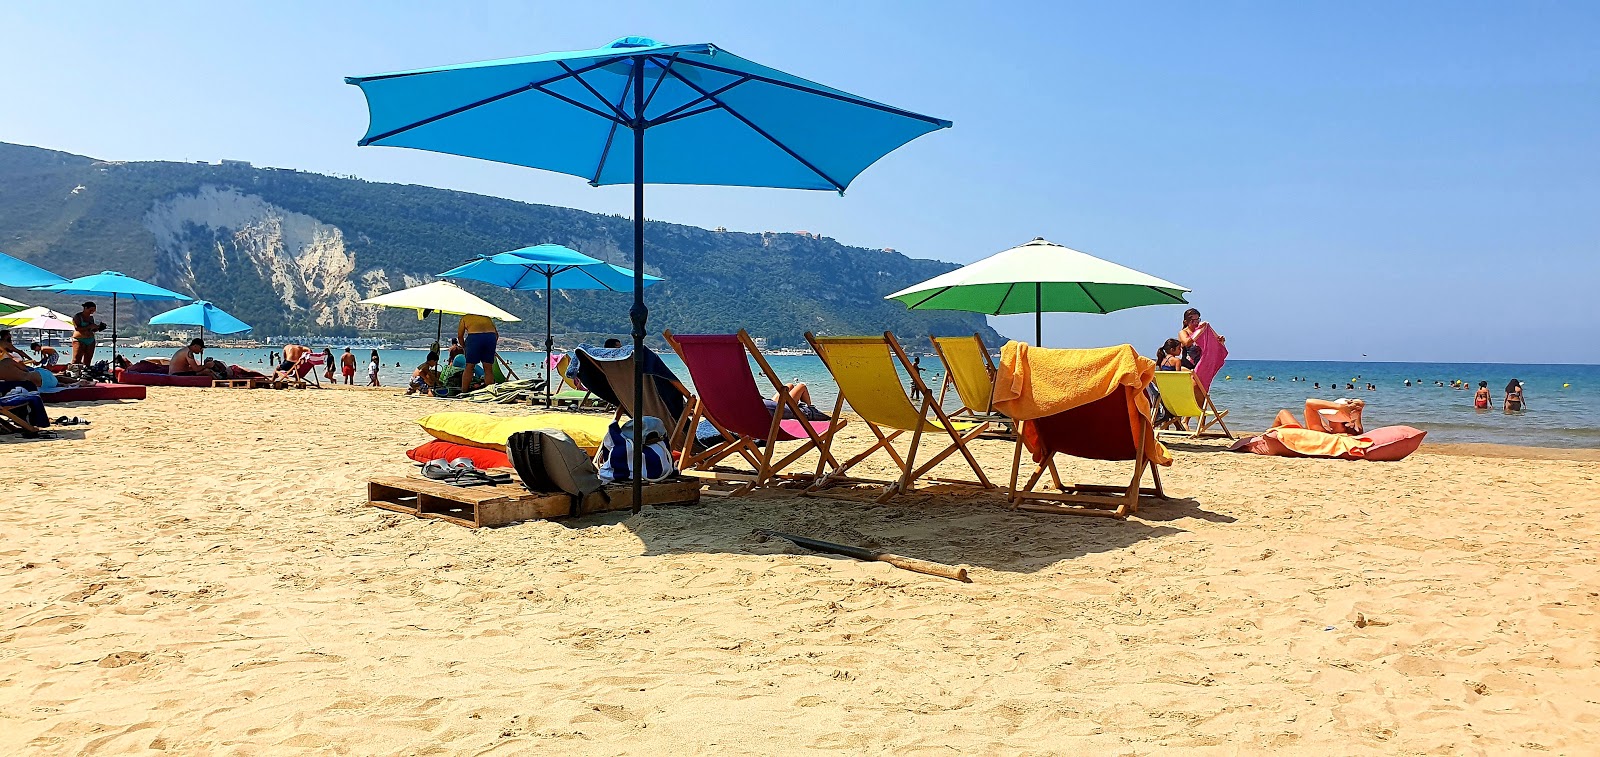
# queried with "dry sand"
point(199, 574)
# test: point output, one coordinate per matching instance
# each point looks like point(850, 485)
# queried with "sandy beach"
point(199, 573)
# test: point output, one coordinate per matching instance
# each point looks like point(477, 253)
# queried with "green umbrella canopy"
point(1040, 277)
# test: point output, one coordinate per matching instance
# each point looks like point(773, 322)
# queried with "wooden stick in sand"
point(904, 563)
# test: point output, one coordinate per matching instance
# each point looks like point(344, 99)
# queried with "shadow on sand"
point(974, 530)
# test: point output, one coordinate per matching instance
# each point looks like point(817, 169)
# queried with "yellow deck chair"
point(567, 393)
point(864, 369)
point(1183, 397)
point(970, 369)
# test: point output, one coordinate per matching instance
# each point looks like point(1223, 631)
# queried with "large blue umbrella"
point(555, 266)
point(707, 116)
point(203, 314)
point(116, 285)
point(18, 273)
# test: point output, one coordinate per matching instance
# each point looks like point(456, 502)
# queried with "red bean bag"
point(437, 449)
point(130, 376)
point(94, 393)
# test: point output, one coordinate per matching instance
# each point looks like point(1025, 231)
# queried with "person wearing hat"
point(186, 361)
point(84, 329)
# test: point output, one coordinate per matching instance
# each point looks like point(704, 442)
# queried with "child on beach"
point(426, 377)
point(1480, 400)
point(372, 370)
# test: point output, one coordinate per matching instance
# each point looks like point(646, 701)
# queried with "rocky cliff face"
point(302, 259)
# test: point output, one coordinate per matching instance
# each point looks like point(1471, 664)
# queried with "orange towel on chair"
point(1035, 383)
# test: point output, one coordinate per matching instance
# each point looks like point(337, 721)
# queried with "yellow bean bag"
point(491, 432)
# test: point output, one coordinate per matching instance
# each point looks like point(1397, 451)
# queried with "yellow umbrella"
point(439, 298)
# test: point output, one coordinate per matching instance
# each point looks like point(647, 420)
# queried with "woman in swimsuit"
point(1192, 326)
point(1337, 417)
point(1480, 399)
point(1514, 400)
point(84, 328)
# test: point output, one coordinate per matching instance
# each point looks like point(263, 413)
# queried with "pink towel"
point(1213, 353)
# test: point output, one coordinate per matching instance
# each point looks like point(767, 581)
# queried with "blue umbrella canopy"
point(554, 267)
point(201, 313)
point(18, 273)
point(116, 285)
point(691, 114)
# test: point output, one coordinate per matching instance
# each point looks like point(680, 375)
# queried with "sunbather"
point(1337, 417)
point(798, 390)
point(186, 361)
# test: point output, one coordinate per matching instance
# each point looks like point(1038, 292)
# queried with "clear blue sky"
point(1412, 181)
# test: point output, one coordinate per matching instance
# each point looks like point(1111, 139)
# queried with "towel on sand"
point(1035, 383)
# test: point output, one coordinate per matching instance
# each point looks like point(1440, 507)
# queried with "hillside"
point(293, 252)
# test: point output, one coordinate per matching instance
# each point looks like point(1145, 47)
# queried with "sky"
point(1390, 181)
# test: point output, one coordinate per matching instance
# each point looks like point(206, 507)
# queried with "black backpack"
point(548, 461)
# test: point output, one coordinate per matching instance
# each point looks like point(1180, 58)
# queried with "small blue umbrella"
point(707, 116)
point(203, 314)
point(116, 285)
point(18, 273)
point(553, 265)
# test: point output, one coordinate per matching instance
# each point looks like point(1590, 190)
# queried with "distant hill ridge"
point(292, 252)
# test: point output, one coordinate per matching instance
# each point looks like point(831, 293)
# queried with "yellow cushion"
point(491, 432)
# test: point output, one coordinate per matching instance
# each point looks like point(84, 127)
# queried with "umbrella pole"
point(639, 314)
point(438, 334)
point(113, 332)
point(549, 343)
point(1038, 315)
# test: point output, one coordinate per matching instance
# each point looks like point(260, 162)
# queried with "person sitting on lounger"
point(612, 343)
point(1338, 417)
point(798, 390)
point(426, 377)
point(186, 361)
point(13, 374)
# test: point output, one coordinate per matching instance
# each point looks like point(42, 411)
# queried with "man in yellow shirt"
point(478, 336)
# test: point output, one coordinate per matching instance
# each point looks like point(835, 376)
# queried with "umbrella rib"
point(672, 115)
point(1176, 300)
point(576, 104)
point(611, 136)
point(759, 130)
point(941, 123)
point(651, 96)
point(924, 300)
point(586, 85)
point(585, 271)
point(1003, 298)
point(485, 101)
point(1090, 295)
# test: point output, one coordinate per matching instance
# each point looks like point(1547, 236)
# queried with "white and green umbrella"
point(1040, 277)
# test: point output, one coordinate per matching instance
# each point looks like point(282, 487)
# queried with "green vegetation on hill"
point(77, 215)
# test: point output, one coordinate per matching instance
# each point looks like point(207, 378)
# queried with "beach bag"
point(547, 461)
point(616, 452)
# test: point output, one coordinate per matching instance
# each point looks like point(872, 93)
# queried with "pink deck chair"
point(728, 396)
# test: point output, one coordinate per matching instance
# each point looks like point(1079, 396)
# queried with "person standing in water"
point(347, 367)
point(478, 337)
point(1514, 400)
point(372, 370)
point(1480, 399)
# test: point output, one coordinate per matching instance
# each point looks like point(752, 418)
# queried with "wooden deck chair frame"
point(1001, 427)
point(1209, 415)
point(909, 470)
point(1083, 499)
point(679, 426)
point(758, 453)
point(11, 423)
point(587, 401)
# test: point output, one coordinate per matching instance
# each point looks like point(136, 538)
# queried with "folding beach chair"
point(969, 368)
point(729, 398)
point(864, 368)
point(1107, 419)
point(567, 393)
point(1184, 397)
point(607, 372)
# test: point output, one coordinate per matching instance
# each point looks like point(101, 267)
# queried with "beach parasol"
point(8, 305)
point(1040, 277)
point(440, 298)
point(116, 285)
point(707, 116)
point(203, 314)
point(18, 273)
point(555, 266)
point(40, 318)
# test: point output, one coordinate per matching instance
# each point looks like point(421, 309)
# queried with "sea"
point(1562, 408)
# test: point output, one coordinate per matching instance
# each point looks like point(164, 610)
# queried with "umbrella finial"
point(632, 41)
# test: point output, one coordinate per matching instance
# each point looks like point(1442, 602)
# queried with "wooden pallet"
point(247, 383)
point(480, 506)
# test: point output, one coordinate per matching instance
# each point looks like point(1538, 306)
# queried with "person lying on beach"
point(13, 374)
point(47, 355)
point(1338, 417)
point(798, 390)
point(1481, 398)
point(426, 377)
point(186, 361)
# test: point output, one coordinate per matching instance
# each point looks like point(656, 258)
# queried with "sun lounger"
point(1184, 397)
point(730, 399)
point(1083, 403)
point(968, 368)
point(864, 368)
point(13, 412)
point(572, 395)
point(608, 373)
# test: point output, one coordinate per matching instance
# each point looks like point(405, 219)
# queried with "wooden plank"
point(498, 505)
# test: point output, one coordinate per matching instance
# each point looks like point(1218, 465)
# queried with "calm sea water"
point(1563, 400)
